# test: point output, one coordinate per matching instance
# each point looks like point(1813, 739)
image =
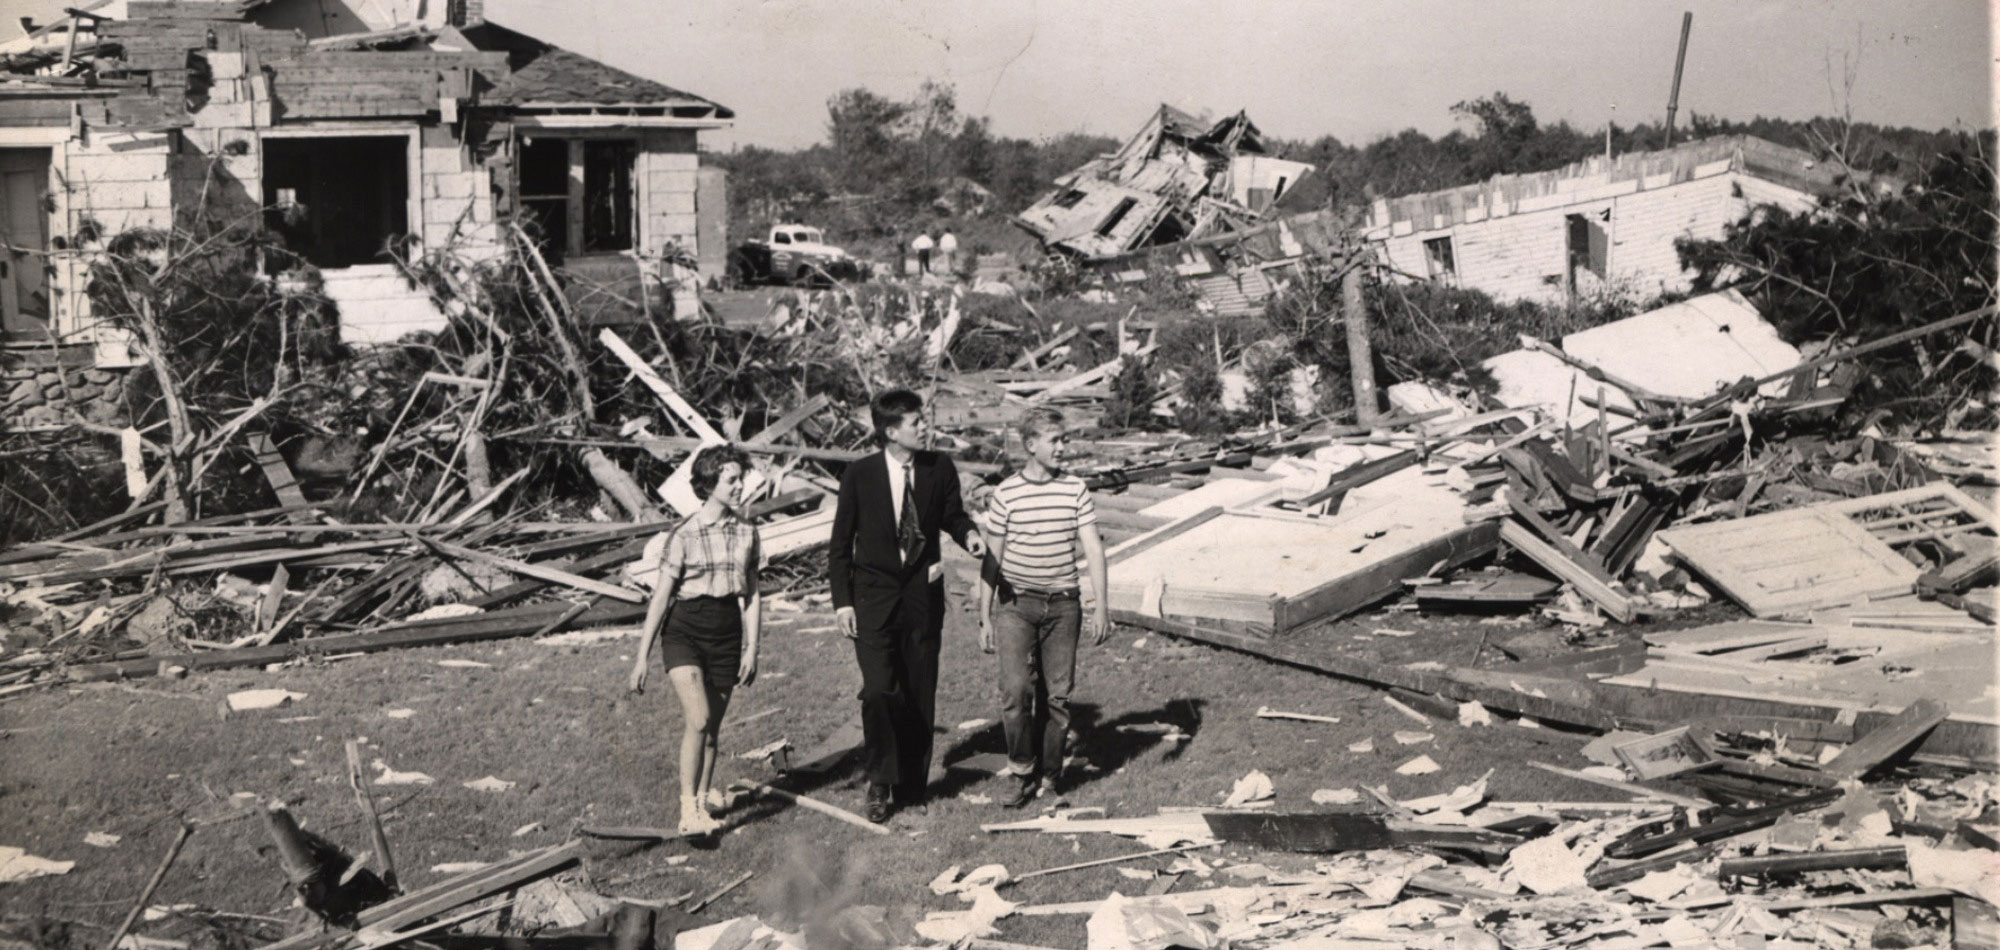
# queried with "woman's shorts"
point(707, 634)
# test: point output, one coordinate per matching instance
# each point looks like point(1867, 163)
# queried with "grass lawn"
point(129, 759)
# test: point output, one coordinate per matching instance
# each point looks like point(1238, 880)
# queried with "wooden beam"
point(542, 571)
point(1890, 738)
point(1541, 552)
point(680, 407)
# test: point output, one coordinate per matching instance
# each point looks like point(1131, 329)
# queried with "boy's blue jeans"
point(1036, 634)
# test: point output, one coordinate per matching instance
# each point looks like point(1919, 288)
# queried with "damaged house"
point(1594, 227)
point(1179, 178)
point(351, 128)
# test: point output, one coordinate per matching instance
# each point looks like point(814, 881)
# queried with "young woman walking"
point(706, 595)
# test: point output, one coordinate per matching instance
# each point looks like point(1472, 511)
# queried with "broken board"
point(1328, 832)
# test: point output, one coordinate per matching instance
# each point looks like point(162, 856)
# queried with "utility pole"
point(1680, 58)
point(1360, 352)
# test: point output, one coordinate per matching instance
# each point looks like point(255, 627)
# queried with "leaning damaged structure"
point(1770, 627)
point(1178, 178)
point(429, 134)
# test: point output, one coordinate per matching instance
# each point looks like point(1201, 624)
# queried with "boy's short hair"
point(707, 468)
point(1040, 420)
point(892, 408)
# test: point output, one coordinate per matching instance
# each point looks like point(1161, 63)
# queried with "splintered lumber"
point(493, 625)
point(783, 425)
point(152, 884)
point(680, 407)
point(358, 780)
point(631, 832)
point(1497, 691)
point(1974, 924)
point(1638, 790)
point(1323, 832)
point(465, 888)
point(1586, 581)
point(1888, 739)
point(1892, 856)
point(1100, 862)
point(541, 571)
point(1098, 373)
point(1028, 359)
point(1356, 477)
point(802, 801)
point(283, 483)
point(734, 883)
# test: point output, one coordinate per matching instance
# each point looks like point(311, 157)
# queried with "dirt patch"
point(127, 759)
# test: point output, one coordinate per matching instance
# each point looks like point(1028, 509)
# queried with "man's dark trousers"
point(899, 670)
point(898, 609)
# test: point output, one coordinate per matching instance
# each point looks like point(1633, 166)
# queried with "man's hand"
point(849, 627)
point(974, 544)
point(1102, 616)
point(637, 684)
point(985, 635)
point(746, 670)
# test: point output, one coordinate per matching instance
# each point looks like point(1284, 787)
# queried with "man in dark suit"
point(888, 592)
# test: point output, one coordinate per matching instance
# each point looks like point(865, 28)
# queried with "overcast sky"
point(1358, 69)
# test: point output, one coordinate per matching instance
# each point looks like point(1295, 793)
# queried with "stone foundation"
point(61, 386)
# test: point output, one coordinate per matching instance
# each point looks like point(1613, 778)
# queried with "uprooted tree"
point(1871, 261)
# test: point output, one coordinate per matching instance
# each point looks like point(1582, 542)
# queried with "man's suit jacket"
point(864, 563)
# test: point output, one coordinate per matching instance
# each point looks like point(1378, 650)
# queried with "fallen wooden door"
point(1791, 561)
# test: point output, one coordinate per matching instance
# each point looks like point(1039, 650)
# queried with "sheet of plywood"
point(1690, 349)
point(1220, 492)
point(1280, 568)
point(1790, 561)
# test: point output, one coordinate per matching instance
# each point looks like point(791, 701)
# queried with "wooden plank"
point(1611, 601)
point(1892, 856)
point(682, 410)
point(1581, 558)
point(499, 624)
point(783, 425)
point(542, 571)
point(278, 474)
point(1456, 684)
point(1892, 737)
point(1974, 924)
point(1344, 595)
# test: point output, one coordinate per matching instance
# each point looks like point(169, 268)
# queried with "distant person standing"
point(947, 247)
point(888, 592)
point(1038, 520)
point(922, 245)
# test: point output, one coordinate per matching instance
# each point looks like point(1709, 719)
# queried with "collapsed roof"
point(1178, 178)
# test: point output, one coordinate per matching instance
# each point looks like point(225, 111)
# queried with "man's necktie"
point(909, 535)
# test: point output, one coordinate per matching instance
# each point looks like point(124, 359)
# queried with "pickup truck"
point(792, 254)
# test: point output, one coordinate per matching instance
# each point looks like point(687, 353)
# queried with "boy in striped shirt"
point(1036, 520)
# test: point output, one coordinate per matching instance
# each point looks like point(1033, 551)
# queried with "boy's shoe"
point(1025, 790)
point(1048, 791)
point(877, 810)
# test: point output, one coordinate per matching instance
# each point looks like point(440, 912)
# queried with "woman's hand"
point(637, 684)
point(746, 670)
